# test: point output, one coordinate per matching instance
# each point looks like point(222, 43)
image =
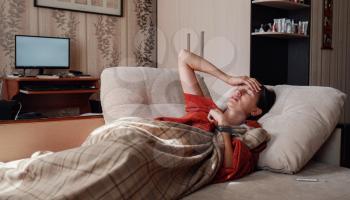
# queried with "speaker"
point(345, 146)
point(9, 109)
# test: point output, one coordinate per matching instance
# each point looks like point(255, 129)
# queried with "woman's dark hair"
point(265, 102)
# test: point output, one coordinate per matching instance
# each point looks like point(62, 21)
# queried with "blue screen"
point(42, 52)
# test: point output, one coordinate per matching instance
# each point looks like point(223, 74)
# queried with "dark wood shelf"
point(24, 79)
point(44, 120)
point(281, 4)
point(280, 35)
point(28, 92)
point(64, 92)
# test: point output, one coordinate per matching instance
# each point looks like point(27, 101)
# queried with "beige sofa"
point(128, 91)
point(149, 92)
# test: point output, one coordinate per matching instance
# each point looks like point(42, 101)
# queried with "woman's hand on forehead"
point(252, 83)
point(246, 89)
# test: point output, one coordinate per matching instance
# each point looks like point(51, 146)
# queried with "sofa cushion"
point(142, 92)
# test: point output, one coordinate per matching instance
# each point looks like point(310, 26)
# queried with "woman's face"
point(241, 104)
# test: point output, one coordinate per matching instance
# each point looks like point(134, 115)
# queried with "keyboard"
point(47, 76)
point(57, 87)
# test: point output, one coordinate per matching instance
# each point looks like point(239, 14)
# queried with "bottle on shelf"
point(284, 26)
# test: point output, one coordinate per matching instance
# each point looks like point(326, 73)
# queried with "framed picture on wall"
point(105, 7)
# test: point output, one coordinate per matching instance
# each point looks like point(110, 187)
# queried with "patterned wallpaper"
point(146, 22)
point(105, 31)
point(97, 41)
point(67, 24)
point(10, 23)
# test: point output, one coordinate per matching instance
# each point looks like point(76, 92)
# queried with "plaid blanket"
point(132, 158)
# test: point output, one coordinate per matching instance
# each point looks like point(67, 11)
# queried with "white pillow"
point(301, 120)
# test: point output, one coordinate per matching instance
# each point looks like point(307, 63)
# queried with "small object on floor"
point(307, 179)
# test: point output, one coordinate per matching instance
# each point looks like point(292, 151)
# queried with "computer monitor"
point(37, 52)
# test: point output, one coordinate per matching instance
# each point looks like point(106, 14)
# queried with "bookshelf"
point(280, 35)
point(279, 57)
point(281, 4)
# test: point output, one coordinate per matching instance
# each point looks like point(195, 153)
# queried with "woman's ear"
point(256, 112)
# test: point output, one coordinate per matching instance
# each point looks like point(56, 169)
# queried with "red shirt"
point(244, 160)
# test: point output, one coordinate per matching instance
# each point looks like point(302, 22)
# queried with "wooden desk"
point(14, 88)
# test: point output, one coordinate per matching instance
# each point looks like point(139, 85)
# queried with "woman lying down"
point(166, 158)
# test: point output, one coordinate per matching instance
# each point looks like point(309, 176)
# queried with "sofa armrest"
point(20, 139)
point(330, 152)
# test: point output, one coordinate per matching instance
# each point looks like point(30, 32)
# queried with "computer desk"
point(33, 101)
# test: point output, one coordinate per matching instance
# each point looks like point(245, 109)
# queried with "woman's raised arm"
point(189, 62)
